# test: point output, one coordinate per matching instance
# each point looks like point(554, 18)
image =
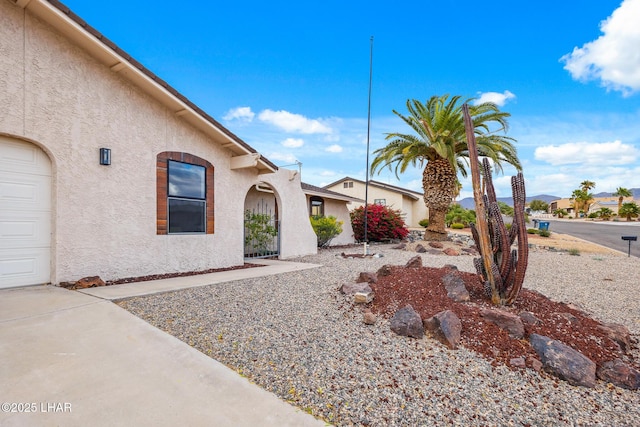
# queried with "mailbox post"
point(630, 239)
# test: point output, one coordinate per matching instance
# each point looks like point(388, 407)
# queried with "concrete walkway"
point(71, 358)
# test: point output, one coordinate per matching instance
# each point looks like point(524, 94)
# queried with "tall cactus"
point(501, 268)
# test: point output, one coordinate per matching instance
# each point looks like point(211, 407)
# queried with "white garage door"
point(25, 214)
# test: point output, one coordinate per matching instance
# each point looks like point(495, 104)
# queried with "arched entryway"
point(261, 222)
point(25, 214)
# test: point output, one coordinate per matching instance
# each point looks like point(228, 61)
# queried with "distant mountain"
point(469, 203)
point(634, 191)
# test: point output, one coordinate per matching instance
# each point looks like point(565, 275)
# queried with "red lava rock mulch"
point(423, 289)
point(170, 275)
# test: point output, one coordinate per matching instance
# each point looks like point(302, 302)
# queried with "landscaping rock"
point(401, 245)
point(363, 297)
point(534, 364)
point(529, 319)
point(518, 362)
point(414, 262)
point(620, 374)
point(407, 322)
point(564, 362)
point(436, 245)
point(89, 282)
point(450, 267)
point(352, 288)
point(367, 277)
point(385, 270)
point(445, 327)
point(504, 320)
point(455, 287)
point(451, 252)
point(369, 318)
point(569, 317)
point(618, 333)
point(420, 249)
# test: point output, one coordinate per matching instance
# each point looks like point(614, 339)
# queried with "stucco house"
point(330, 203)
point(107, 170)
point(409, 202)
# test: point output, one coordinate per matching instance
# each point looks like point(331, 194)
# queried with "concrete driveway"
point(72, 359)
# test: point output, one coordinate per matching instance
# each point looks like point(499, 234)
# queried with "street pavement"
point(605, 233)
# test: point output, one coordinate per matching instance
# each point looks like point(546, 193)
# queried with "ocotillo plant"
point(501, 268)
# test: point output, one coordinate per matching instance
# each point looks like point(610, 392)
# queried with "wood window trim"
point(162, 193)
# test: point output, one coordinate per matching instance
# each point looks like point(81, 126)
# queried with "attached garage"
point(25, 214)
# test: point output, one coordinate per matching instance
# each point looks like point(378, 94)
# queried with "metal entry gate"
point(261, 232)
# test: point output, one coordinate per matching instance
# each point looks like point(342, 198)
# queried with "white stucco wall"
point(340, 211)
point(104, 217)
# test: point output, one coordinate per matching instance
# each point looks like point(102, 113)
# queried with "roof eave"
point(106, 52)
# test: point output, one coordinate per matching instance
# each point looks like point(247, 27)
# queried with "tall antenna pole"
point(366, 182)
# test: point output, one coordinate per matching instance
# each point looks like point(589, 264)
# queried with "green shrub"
point(574, 252)
point(592, 215)
point(544, 233)
point(532, 231)
point(457, 226)
point(326, 228)
point(383, 223)
point(424, 223)
point(508, 226)
point(459, 214)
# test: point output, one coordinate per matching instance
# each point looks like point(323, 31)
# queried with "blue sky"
point(291, 78)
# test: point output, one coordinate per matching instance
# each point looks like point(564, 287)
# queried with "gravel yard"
point(295, 335)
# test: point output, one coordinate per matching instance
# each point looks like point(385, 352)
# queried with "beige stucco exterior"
point(409, 202)
point(67, 101)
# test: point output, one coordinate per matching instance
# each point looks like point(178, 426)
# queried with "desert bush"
point(574, 252)
point(460, 215)
point(326, 228)
point(457, 226)
point(532, 231)
point(544, 233)
point(383, 223)
point(424, 223)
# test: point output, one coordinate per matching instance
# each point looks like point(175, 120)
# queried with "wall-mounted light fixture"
point(105, 156)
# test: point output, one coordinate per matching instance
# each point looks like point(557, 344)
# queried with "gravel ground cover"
point(295, 335)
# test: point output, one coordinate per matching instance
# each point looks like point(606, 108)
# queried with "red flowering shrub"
point(382, 223)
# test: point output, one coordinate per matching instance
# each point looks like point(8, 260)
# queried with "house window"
point(348, 184)
point(186, 198)
point(316, 206)
point(381, 202)
point(184, 194)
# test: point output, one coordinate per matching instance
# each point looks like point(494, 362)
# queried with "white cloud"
point(293, 142)
point(585, 153)
point(241, 113)
point(291, 122)
point(335, 148)
point(497, 98)
point(613, 57)
point(328, 173)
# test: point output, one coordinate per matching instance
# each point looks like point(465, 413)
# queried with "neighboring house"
point(329, 203)
point(596, 203)
point(409, 202)
point(599, 204)
point(107, 170)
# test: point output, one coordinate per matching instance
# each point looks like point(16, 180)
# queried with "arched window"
point(316, 206)
point(184, 191)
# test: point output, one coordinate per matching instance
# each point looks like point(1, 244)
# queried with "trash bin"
point(535, 223)
point(544, 225)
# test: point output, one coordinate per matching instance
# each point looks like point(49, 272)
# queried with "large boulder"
point(564, 362)
point(446, 327)
point(407, 322)
point(618, 333)
point(455, 287)
point(504, 320)
point(620, 374)
point(385, 270)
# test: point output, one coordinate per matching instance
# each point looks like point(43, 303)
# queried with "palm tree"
point(587, 185)
point(581, 199)
point(629, 210)
point(622, 192)
point(439, 144)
